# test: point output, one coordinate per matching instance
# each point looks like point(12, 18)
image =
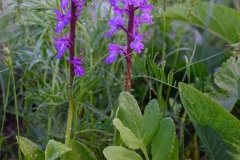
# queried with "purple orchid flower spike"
point(134, 39)
point(65, 42)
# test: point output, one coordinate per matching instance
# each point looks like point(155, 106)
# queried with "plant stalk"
point(16, 108)
point(129, 50)
point(72, 53)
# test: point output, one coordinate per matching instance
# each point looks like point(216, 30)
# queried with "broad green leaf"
point(227, 78)
point(128, 137)
point(55, 149)
point(120, 153)
point(175, 153)
point(163, 141)
point(216, 127)
point(129, 113)
point(151, 119)
point(224, 22)
point(80, 151)
point(30, 150)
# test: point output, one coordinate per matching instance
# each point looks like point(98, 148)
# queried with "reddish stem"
point(128, 56)
point(72, 40)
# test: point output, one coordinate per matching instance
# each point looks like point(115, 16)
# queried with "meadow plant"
point(157, 130)
point(65, 42)
point(134, 38)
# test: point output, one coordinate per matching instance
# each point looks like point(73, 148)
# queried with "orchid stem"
point(72, 53)
point(128, 56)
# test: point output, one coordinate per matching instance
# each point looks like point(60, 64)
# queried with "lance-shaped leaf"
point(216, 127)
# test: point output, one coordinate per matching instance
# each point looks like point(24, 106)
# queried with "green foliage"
point(55, 150)
point(164, 140)
point(30, 150)
point(79, 151)
point(227, 78)
point(129, 113)
point(118, 153)
point(217, 128)
point(128, 137)
point(163, 135)
point(220, 23)
point(27, 29)
point(151, 116)
point(175, 153)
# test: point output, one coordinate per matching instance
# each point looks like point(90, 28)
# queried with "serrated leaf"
point(120, 153)
point(220, 23)
point(80, 151)
point(227, 78)
point(55, 149)
point(129, 113)
point(151, 119)
point(163, 141)
point(128, 137)
point(30, 150)
point(216, 127)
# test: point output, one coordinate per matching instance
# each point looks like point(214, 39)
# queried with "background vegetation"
point(188, 41)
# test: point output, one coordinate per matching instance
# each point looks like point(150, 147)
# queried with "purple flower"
point(114, 49)
point(80, 6)
point(61, 45)
point(111, 58)
point(146, 18)
point(137, 45)
point(128, 7)
point(77, 64)
point(64, 4)
point(146, 8)
point(79, 71)
point(115, 24)
point(62, 19)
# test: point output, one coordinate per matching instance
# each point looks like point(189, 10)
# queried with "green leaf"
point(170, 77)
point(120, 153)
point(151, 119)
point(220, 22)
point(175, 153)
point(30, 150)
point(163, 141)
point(80, 151)
point(55, 149)
point(129, 113)
point(227, 78)
point(216, 127)
point(128, 137)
